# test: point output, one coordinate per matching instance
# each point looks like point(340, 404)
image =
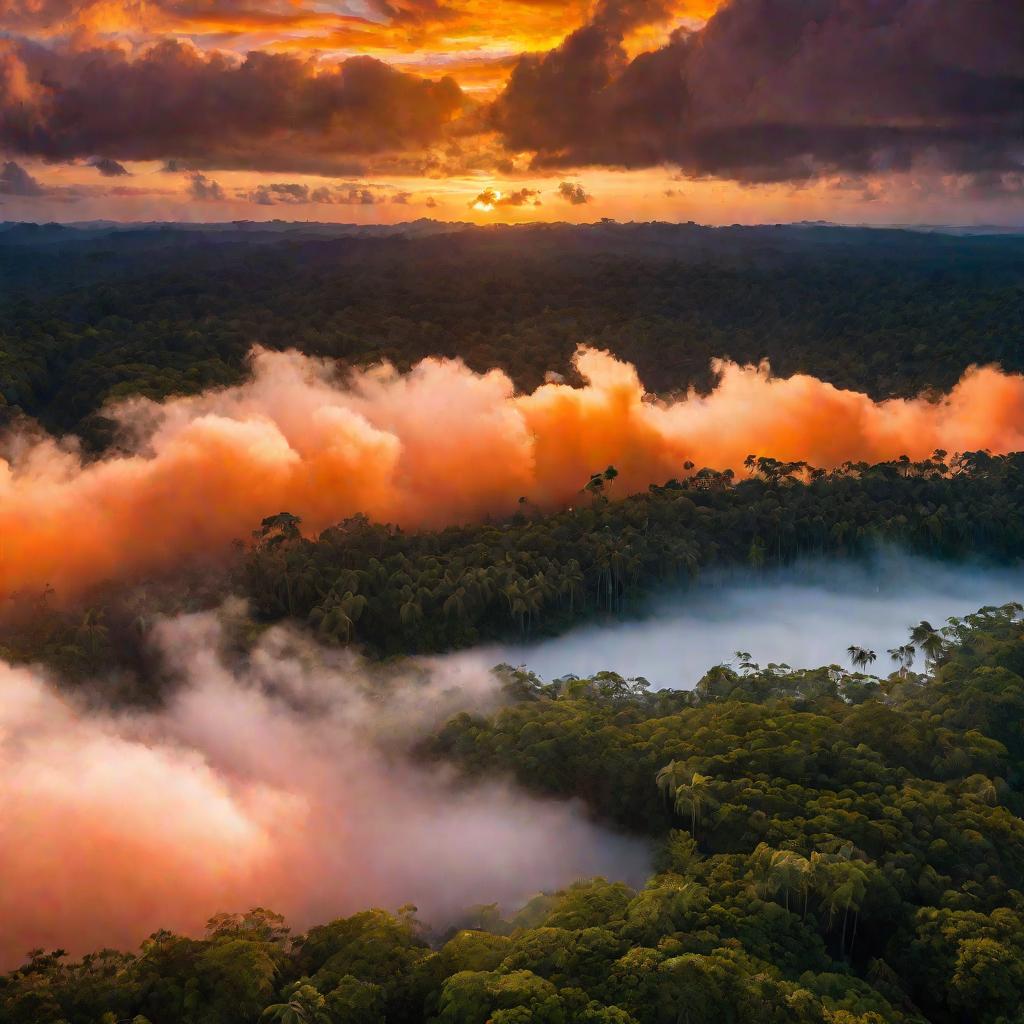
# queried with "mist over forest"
point(804, 615)
point(288, 781)
point(613, 624)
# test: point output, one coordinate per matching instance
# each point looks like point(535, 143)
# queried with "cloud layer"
point(436, 446)
point(763, 91)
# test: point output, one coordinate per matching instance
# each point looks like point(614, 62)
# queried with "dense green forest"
point(391, 592)
point(831, 847)
point(396, 592)
point(90, 316)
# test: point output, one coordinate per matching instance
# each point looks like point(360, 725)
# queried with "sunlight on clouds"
point(304, 104)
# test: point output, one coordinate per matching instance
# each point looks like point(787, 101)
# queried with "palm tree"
point(91, 633)
point(842, 882)
point(571, 582)
point(764, 871)
point(755, 556)
point(853, 890)
point(745, 662)
point(670, 777)
point(410, 612)
point(802, 869)
point(792, 872)
point(595, 485)
point(455, 605)
point(690, 792)
point(777, 870)
point(306, 1006)
point(534, 591)
point(903, 656)
point(929, 640)
point(860, 657)
point(340, 615)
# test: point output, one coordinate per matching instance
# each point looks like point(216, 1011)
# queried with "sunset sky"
point(368, 111)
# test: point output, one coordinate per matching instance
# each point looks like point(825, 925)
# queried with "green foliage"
point(825, 819)
point(392, 592)
point(102, 315)
point(396, 592)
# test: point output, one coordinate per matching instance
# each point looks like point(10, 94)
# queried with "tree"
point(860, 657)
point(842, 884)
point(929, 640)
point(756, 554)
point(278, 529)
point(670, 777)
point(92, 632)
point(776, 871)
point(305, 1005)
point(353, 1001)
point(235, 977)
point(691, 793)
point(903, 657)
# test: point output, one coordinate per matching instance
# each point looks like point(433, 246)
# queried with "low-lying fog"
point(284, 782)
point(805, 615)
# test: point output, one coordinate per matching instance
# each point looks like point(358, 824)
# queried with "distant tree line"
point(156, 313)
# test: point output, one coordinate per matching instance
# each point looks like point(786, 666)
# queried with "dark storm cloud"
point(285, 192)
point(619, 16)
point(768, 90)
point(356, 197)
point(293, 192)
point(573, 192)
point(266, 111)
point(16, 181)
point(522, 196)
point(774, 90)
point(553, 102)
point(203, 189)
point(109, 168)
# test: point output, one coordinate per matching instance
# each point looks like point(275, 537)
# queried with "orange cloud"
point(463, 36)
point(436, 446)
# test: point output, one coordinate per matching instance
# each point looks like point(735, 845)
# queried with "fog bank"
point(805, 615)
point(284, 783)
